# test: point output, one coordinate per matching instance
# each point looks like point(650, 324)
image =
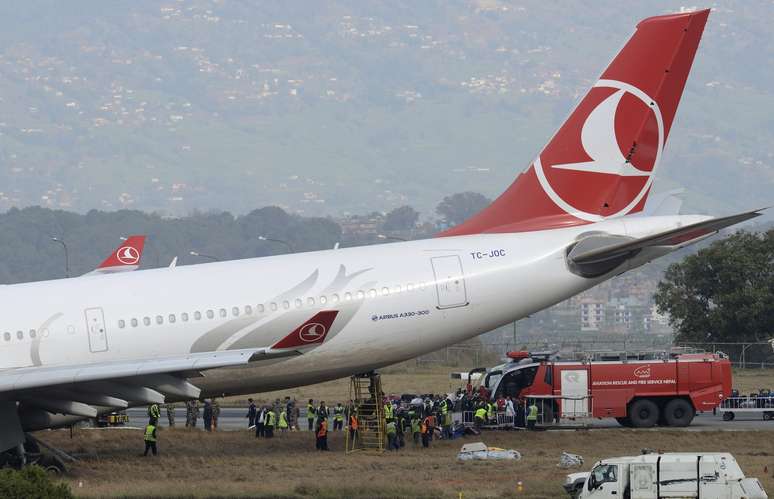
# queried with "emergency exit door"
point(95, 326)
point(449, 281)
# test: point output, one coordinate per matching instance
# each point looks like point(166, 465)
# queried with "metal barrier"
point(552, 411)
point(748, 402)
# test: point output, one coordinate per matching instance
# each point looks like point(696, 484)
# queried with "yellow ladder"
point(366, 396)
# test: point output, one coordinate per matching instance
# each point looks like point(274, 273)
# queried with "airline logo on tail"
point(128, 255)
point(614, 141)
point(311, 332)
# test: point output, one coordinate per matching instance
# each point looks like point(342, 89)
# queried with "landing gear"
point(29, 453)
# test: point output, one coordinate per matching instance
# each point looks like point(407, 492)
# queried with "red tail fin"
point(125, 256)
point(601, 162)
point(311, 332)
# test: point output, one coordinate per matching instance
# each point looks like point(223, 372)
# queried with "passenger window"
point(323, 300)
point(121, 324)
point(360, 295)
point(347, 296)
point(261, 309)
point(172, 318)
point(385, 291)
point(398, 289)
point(146, 321)
point(7, 336)
point(372, 293)
point(159, 320)
point(235, 311)
point(223, 312)
point(20, 335)
point(248, 310)
point(298, 302)
point(197, 315)
point(335, 298)
point(310, 301)
point(135, 323)
point(32, 333)
point(410, 287)
point(273, 306)
point(184, 316)
point(210, 314)
point(286, 304)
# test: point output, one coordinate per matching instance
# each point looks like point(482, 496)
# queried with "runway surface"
point(233, 419)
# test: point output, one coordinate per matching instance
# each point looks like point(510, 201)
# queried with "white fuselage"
point(395, 301)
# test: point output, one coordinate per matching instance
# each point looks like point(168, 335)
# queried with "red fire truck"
point(636, 392)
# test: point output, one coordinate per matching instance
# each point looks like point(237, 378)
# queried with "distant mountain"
point(346, 105)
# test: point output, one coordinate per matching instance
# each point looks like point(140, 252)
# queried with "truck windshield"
point(603, 473)
point(513, 382)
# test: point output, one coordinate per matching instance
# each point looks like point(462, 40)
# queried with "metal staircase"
point(366, 396)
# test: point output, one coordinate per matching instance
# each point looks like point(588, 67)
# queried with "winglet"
point(310, 333)
point(126, 257)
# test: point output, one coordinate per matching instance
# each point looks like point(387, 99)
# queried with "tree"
point(459, 207)
point(403, 218)
point(724, 292)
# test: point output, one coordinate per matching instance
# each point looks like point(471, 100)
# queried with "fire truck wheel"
point(767, 416)
point(678, 412)
point(643, 413)
point(624, 422)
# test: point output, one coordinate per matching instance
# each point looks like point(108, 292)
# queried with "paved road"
point(234, 419)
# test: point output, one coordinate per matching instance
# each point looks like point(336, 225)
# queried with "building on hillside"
point(592, 314)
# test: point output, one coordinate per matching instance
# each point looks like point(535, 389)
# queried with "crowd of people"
point(417, 419)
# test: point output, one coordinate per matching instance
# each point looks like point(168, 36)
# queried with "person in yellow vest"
point(310, 414)
point(283, 421)
point(490, 412)
point(338, 417)
point(150, 439)
point(154, 413)
point(268, 427)
point(416, 428)
point(480, 416)
point(532, 415)
point(392, 434)
point(322, 435)
point(387, 409)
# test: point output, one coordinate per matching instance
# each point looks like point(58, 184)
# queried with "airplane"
point(74, 347)
point(125, 258)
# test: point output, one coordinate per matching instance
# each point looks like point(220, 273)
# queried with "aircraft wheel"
point(767, 416)
point(728, 416)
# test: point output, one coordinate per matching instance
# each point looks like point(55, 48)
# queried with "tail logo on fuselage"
point(312, 332)
point(128, 255)
point(611, 143)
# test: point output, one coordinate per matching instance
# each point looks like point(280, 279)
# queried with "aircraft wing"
point(84, 390)
point(125, 258)
point(597, 254)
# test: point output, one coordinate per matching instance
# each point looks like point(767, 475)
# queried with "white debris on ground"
point(480, 451)
point(567, 460)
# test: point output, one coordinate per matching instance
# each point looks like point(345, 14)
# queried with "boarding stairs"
point(366, 396)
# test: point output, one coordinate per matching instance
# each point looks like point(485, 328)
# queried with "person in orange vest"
point(322, 434)
point(353, 425)
point(427, 431)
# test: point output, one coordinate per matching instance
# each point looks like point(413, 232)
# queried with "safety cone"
point(519, 486)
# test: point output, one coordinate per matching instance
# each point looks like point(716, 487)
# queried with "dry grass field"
point(198, 464)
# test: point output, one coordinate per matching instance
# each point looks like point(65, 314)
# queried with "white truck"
point(669, 475)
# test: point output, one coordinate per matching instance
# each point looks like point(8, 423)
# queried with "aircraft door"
point(449, 281)
point(95, 326)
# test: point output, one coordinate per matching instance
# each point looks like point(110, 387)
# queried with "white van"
point(670, 475)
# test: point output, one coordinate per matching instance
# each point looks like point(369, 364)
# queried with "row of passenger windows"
point(249, 310)
point(20, 335)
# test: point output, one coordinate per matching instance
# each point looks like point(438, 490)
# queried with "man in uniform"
point(170, 414)
point(207, 415)
point(150, 439)
point(427, 431)
point(191, 413)
point(251, 412)
point(353, 425)
point(392, 434)
point(283, 421)
point(215, 414)
point(338, 417)
point(480, 416)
